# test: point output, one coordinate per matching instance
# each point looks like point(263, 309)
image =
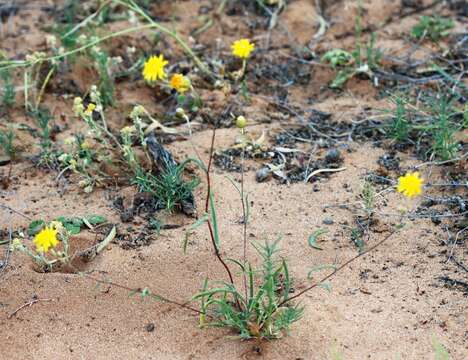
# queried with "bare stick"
point(341, 267)
point(4, 263)
point(210, 226)
point(28, 304)
point(141, 291)
point(15, 211)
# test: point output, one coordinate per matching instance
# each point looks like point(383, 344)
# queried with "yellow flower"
point(410, 184)
point(180, 83)
point(46, 239)
point(89, 110)
point(154, 68)
point(242, 48)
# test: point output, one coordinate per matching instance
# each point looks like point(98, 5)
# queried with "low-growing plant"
point(47, 155)
point(85, 159)
point(434, 121)
point(444, 145)
point(104, 66)
point(260, 313)
point(337, 58)
point(47, 238)
point(368, 197)
point(400, 126)
point(168, 187)
point(432, 27)
point(52, 241)
point(6, 142)
point(349, 64)
point(8, 88)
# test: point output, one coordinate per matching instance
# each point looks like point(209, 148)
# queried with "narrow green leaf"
point(320, 268)
point(214, 221)
point(314, 237)
point(325, 286)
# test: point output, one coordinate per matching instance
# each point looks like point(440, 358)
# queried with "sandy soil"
point(389, 304)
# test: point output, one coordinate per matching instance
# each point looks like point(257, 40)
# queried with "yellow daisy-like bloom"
point(242, 48)
point(89, 110)
point(180, 83)
point(154, 68)
point(410, 185)
point(46, 239)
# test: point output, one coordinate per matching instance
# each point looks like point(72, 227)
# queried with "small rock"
point(4, 160)
point(262, 174)
point(328, 221)
point(127, 215)
point(333, 156)
point(149, 327)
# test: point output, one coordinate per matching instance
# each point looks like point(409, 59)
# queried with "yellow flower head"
point(410, 184)
point(242, 48)
point(89, 110)
point(46, 239)
point(154, 68)
point(180, 83)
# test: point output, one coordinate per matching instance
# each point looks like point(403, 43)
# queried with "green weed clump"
point(431, 126)
point(47, 154)
point(444, 145)
point(261, 311)
point(432, 27)
point(400, 126)
point(361, 60)
point(168, 187)
point(6, 142)
point(8, 88)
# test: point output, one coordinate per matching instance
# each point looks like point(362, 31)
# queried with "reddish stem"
point(210, 226)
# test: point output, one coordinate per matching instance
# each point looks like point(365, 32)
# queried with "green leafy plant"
point(368, 198)
point(433, 27)
point(8, 88)
point(260, 313)
point(337, 58)
point(84, 159)
point(52, 241)
point(350, 64)
point(72, 224)
point(47, 155)
point(168, 187)
point(444, 144)
point(104, 64)
point(6, 142)
point(400, 126)
point(432, 121)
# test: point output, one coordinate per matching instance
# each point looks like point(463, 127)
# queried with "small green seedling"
point(432, 27)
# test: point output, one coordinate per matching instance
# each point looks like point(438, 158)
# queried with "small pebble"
point(328, 221)
point(262, 174)
point(149, 327)
point(333, 156)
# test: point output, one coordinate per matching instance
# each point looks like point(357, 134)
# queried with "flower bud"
point(241, 122)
